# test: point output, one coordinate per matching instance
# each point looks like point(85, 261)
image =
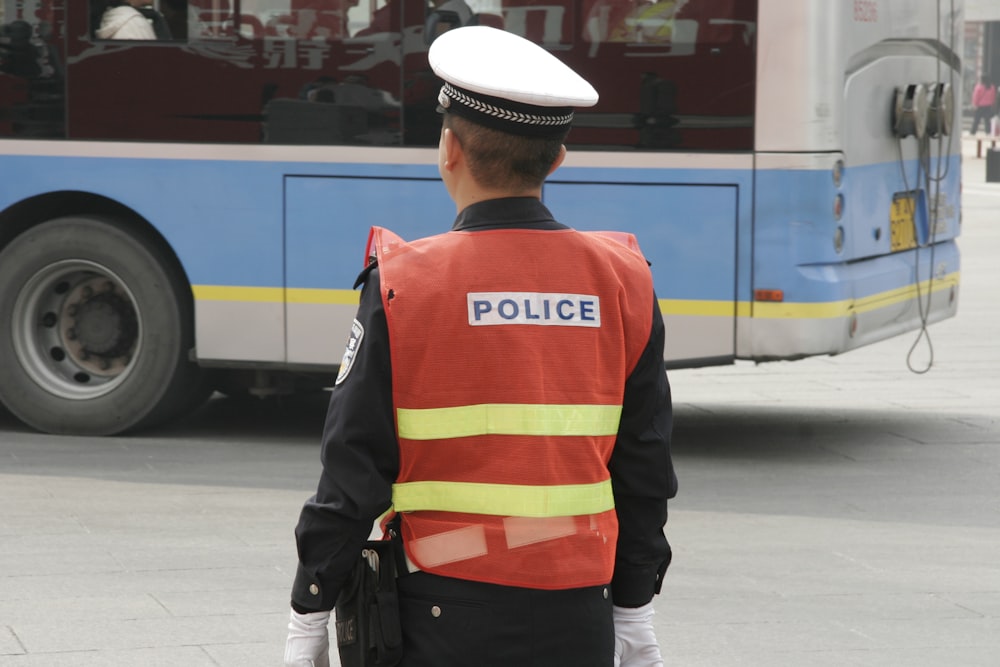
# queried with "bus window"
point(298, 19)
point(671, 75)
point(137, 19)
point(175, 13)
point(548, 23)
point(32, 70)
point(346, 56)
point(211, 19)
point(695, 87)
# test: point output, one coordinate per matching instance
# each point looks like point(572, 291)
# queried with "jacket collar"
point(509, 212)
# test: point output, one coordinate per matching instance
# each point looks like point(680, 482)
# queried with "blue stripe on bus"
point(691, 223)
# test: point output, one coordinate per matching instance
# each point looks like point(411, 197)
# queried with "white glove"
point(635, 639)
point(308, 643)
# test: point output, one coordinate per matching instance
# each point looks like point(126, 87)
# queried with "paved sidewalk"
point(844, 510)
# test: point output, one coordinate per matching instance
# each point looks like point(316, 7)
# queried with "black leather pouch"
point(367, 611)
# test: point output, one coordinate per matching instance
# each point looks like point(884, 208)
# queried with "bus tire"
point(98, 329)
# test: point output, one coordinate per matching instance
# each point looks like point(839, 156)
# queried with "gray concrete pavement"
point(845, 511)
point(833, 511)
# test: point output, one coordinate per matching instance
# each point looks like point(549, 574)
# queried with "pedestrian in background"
point(984, 97)
point(504, 397)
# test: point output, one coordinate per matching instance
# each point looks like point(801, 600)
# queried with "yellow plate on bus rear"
point(902, 227)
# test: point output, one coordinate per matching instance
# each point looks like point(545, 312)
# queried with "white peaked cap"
point(504, 81)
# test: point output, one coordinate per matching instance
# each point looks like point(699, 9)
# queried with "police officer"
point(503, 396)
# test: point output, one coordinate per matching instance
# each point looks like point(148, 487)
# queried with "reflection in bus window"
point(695, 86)
point(344, 56)
point(175, 13)
point(128, 19)
point(626, 21)
point(326, 20)
point(32, 72)
point(672, 75)
point(211, 19)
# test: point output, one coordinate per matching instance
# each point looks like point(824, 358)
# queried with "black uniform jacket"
point(360, 453)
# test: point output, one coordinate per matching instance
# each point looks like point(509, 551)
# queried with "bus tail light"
point(838, 173)
point(773, 295)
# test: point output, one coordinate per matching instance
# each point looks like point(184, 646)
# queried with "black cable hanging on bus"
point(937, 126)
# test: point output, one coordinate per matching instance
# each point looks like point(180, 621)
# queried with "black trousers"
point(982, 114)
point(455, 623)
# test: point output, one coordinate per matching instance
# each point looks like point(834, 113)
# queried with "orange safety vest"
point(510, 350)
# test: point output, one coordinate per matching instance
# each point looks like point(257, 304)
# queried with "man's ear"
point(559, 160)
point(452, 149)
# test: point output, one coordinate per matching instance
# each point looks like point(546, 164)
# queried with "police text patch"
point(351, 352)
point(541, 308)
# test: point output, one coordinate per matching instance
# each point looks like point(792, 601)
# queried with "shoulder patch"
point(351, 352)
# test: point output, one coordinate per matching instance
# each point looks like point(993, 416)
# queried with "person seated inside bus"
point(131, 19)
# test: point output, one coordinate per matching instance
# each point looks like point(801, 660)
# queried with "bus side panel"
point(689, 235)
point(228, 237)
point(327, 223)
point(227, 234)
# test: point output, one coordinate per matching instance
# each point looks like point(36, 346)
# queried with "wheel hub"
point(99, 327)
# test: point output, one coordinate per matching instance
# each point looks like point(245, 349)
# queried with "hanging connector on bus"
point(939, 109)
point(909, 117)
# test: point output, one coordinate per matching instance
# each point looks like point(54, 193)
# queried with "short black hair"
point(505, 161)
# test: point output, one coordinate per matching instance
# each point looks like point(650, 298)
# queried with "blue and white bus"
point(189, 213)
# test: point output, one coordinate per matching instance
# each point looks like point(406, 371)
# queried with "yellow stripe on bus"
point(275, 294)
point(835, 309)
point(670, 307)
point(227, 293)
point(504, 499)
point(324, 296)
point(704, 308)
point(508, 419)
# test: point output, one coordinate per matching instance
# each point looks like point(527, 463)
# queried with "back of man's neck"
point(465, 199)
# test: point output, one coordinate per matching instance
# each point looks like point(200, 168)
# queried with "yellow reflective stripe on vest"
point(504, 499)
point(507, 419)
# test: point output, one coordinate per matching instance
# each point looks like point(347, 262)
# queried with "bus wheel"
point(98, 329)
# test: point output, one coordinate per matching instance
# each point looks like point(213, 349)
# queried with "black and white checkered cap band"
point(505, 115)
